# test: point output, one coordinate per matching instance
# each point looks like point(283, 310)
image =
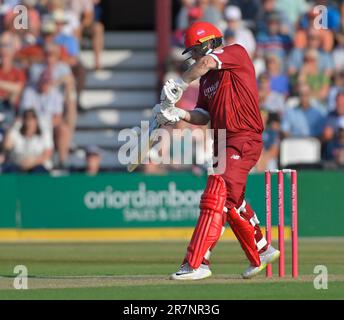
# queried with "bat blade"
point(144, 145)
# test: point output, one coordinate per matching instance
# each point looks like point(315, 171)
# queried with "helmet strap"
point(209, 51)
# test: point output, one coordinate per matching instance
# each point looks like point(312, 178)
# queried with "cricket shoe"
point(187, 273)
point(268, 256)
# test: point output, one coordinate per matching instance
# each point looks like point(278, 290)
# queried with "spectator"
point(305, 120)
point(334, 149)
point(333, 16)
point(35, 53)
point(47, 100)
point(89, 13)
point(338, 52)
point(219, 5)
point(182, 16)
point(8, 30)
point(249, 9)
point(292, 8)
point(269, 100)
point(61, 72)
point(317, 81)
point(84, 11)
point(210, 13)
point(265, 10)
point(51, 34)
point(334, 118)
point(12, 81)
point(31, 34)
point(269, 157)
point(301, 35)
point(229, 37)
point(279, 82)
point(71, 45)
point(296, 58)
point(243, 36)
point(338, 86)
point(72, 25)
point(97, 33)
point(336, 146)
point(194, 14)
point(29, 146)
point(5, 7)
point(341, 10)
point(93, 160)
point(273, 41)
point(51, 77)
point(13, 37)
point(69, 42)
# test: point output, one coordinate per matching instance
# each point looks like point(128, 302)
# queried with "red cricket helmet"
point(198, 33)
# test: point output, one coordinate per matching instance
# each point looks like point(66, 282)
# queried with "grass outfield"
point(140, 271)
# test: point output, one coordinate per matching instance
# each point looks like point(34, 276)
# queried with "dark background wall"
point(132, 14)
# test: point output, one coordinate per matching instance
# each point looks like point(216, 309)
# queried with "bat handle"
point(153, 125)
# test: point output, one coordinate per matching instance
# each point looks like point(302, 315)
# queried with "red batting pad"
point(210, 221)
point(244, 232)
point(248, 214)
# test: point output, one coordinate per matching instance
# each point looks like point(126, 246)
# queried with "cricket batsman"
point(228, 98)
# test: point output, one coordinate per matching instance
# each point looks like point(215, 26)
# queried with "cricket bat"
point(144, 145)
point(148, 141)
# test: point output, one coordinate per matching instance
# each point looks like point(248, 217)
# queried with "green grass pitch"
point(133, 270)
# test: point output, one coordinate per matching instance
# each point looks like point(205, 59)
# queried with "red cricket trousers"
point(242, 154)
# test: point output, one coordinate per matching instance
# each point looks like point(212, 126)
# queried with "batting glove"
point(172, 92)
point(170, 116)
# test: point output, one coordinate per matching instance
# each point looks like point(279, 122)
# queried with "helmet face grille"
point(217, 42)
point(203, 48)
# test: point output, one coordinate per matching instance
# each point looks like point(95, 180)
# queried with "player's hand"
point(170, 116)
point(172, 92)
point(162, 118)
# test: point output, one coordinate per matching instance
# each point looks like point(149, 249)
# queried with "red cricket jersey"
point(15, 75)
point(230, 94)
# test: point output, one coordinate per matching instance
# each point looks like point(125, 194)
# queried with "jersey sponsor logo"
point(210, 91)
point(235, 157)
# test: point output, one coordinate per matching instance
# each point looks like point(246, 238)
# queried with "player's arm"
point(199, 69)
point(197, 117)
point(173, 89)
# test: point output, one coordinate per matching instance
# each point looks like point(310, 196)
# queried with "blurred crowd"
point(297, 53)
point(41, 78)
point(299, 61)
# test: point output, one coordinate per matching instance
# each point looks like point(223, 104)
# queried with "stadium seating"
point(117, 97)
